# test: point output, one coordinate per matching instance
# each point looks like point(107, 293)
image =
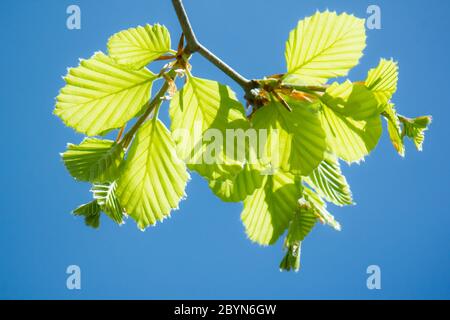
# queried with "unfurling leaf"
point(394, 129)
point(105, 194)
point(324, 46)
point(137, 47)
point(93, 160)
point(415, 129)
point(91, 213)
point(101, 95)
point(382, 80)
point(301, 225)
point(320, 208)
point(153, 179)
point(329, 182)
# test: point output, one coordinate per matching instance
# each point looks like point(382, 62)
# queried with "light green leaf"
point(349, 138)
point(100, 95)
point(93, 160)
point(201, 113)
point(268, 211)
point(105, 195)
point(415, 129)
point(301, 225)
point(382, 80)
point(320, 208)
point(153, 179)
point(137, 47)
point(295, 140)
point(329, 182)
point(324, 46)
point(394, 129)
point(91, 213)
point(235, 188)
point(352, 100)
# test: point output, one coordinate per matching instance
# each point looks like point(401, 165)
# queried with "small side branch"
point(193, 45)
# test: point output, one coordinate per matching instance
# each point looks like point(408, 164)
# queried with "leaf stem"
point(152, 105)
point(193, 46)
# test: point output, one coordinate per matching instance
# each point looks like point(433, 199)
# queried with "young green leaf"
point(415, 129)
point(324, 46)
point(295, 140)
point(301, 225)
point(394, 129)
point(137, 47)
point(329, 182)
point(268, 211)
point(291, 260)
point(382, 80)
point(153, 179)
point(320, 208)
point(105, 194)
point(93, 160)
point(350, 136)
point(91, 213)
point(202, 108)
point(101, 95)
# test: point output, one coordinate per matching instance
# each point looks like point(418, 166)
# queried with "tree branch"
point(193, 45)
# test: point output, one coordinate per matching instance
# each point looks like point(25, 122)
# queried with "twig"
point(193, 45)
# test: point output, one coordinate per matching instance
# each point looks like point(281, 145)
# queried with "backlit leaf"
point(295, 140)
point(324, 46)
point(153, 179)
point(137, 47)
point(268, 211)
point(93, 160)
point(329, 182)
point(100, 95)
point(201, 113)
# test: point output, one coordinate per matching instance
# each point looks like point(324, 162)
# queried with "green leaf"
point(153, 179)
point(268, 211)
point(93, 160)
point(105, 194)
point(295, 140)
point(352, 100)
point(291, 260)
point(137, 47)
point(100, 95)
point(394, 129)
point(320, 208)
point(324, 46)
point(91, 213)
point(204, 107)
point(329, 182)
point(301, 225)
point(235, 188)
point(382, 80)
point(349, 134)
point(415, 129)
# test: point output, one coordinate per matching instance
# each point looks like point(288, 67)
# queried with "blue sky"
point(401, 221)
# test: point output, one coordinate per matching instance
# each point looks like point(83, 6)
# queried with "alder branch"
point(193, 46)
